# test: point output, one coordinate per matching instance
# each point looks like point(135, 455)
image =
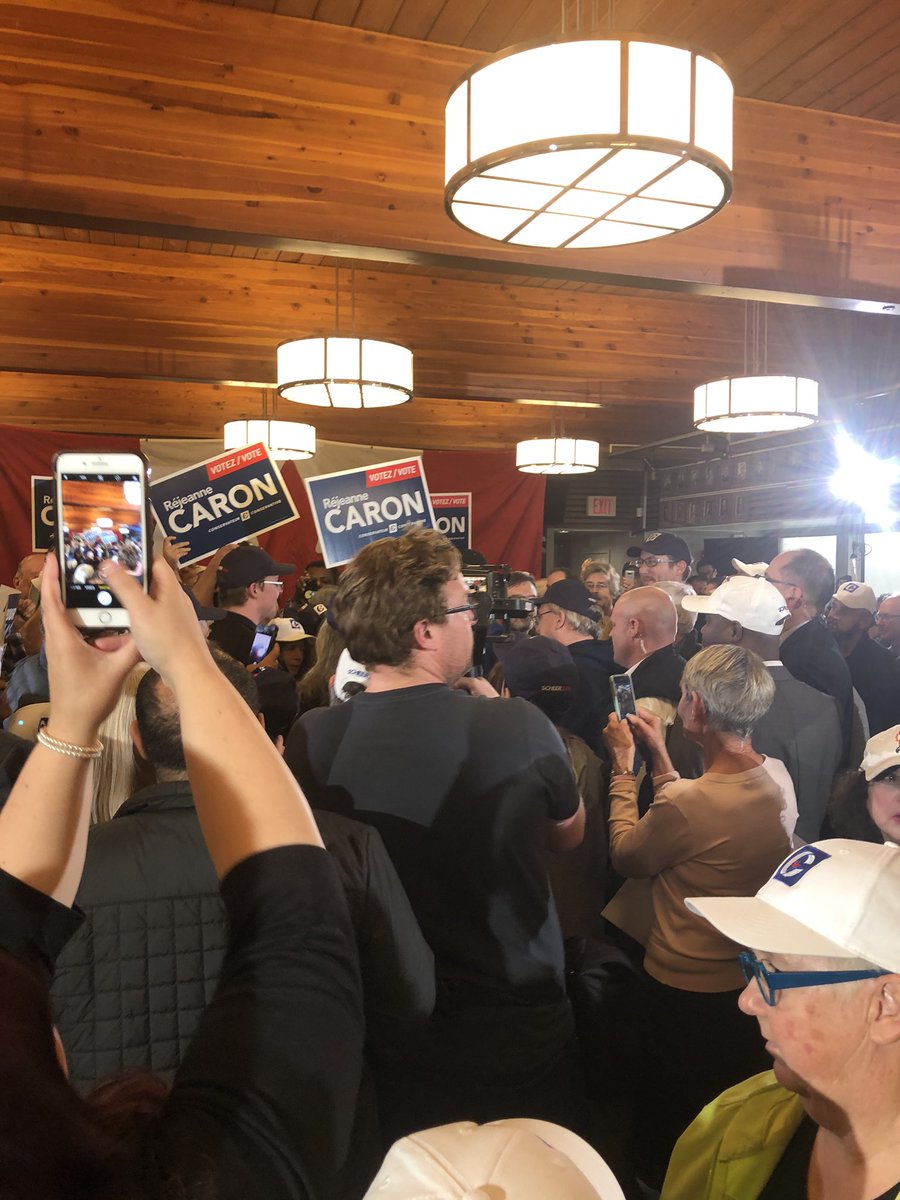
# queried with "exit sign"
point(601, 506)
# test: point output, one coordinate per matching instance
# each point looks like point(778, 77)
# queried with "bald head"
point(27, 571)
point(644, 620)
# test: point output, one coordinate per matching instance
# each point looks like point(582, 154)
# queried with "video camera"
point(493, 608)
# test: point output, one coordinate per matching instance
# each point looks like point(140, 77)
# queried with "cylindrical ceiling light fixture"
point(589, 141)
point(756, 404)
point(283, 439)
point(345, 372)
point(558, 456)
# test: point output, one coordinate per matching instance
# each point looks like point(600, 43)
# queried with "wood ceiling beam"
point(204, 117)
point(185, 409)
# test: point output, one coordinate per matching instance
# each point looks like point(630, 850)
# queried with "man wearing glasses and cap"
point(662, 556)
point(823, 980)
point(248, 587)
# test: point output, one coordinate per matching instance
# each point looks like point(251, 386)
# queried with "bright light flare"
point(864, 479)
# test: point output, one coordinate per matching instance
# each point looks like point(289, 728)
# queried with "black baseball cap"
point(667, 545)
point(572, 595)
point(247, 564)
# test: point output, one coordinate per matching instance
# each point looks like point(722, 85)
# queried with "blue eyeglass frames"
point(770, 983)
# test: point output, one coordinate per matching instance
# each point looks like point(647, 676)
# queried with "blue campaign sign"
point(43, 511)
point(453, 517)
point(225, 499)
point(353, 508)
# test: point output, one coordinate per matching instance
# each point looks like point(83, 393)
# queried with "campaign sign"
point(225, 499)
point(353, 508)
point(43, 512)
point(453, 517)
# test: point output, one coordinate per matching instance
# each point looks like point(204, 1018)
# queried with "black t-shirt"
point(264, 1101)
point(234, 633)
point(461, 789)
point(788, 1180)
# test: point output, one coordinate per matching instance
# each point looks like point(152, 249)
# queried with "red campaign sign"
point(390, 474)
point(448, 501)
point(235, 460)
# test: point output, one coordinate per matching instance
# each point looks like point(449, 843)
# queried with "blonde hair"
point(115, 773)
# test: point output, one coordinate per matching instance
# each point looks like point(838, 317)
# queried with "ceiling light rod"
point(591, 141)
point(344, 371)
point(283, 439)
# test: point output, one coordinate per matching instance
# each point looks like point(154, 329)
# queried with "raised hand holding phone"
point(102, 517)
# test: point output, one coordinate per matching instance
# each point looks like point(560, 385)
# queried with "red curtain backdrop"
point(27, 452)
point(507, 506)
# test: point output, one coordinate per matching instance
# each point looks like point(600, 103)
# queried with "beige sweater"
point(719, 835)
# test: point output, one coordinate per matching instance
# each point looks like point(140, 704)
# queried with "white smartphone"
point(102, 515)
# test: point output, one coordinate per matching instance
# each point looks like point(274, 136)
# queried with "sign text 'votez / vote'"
point(453, 517)
point(225, 499)
point(353, 508)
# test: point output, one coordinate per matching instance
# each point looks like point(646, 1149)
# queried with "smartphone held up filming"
point(102, 516)
point(622, 695)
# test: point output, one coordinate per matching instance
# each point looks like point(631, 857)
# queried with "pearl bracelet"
point(67, 748)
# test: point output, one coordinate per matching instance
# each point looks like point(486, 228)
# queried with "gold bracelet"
point(67, 748)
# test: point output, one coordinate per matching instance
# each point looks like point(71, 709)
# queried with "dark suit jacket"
point(803, 729)
point(811, 655)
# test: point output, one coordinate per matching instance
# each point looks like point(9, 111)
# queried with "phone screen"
point(262, 643)
point(623, 695)
point(102, 521)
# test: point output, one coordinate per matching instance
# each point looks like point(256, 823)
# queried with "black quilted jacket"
point(130, 986)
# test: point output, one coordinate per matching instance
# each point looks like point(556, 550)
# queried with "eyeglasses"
point(470, 608)
point(881, 617)
point(654, 562)
point(783, 582)
point(771, 982)
point(272, 583)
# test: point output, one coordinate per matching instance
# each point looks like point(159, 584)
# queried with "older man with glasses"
point(808, 649)
point(823, 981)
point(887, 624)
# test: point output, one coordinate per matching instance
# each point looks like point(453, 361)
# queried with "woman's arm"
point(43, 825)
point(246, 798)
point(643, 846)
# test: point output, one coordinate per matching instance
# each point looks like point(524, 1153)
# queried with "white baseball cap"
point(754, 570)
point(837, 898)
point(289, 630)
point(882, 753)
point(754, 603)
point(519, 1159)
point(856, 595)
point(347, 671)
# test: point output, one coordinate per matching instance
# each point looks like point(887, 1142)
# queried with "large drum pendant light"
point(589, 142)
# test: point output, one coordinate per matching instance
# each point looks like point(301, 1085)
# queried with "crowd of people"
point(355, 918)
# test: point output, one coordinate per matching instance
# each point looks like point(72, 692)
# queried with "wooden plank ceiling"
point(186, 184)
